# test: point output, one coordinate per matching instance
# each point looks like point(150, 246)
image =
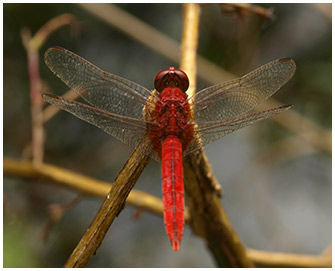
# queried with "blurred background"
point(277, 195)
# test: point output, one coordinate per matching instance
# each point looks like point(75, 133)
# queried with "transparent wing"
point(236, 97)
point(103, 90)
point(207, 132)
point(128, 130)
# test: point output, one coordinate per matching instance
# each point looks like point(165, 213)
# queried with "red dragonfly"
point(175, 124)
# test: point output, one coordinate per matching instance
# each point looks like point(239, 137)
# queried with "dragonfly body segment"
point(173, 189)
point(174, 126)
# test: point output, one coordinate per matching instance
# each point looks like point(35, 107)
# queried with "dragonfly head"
point(172, 78)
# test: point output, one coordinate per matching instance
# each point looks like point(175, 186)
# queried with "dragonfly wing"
point(128, 130)
point(210, 131)
point(103, 90)
point(239, 96)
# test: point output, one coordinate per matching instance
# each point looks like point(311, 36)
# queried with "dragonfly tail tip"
point(175, 245)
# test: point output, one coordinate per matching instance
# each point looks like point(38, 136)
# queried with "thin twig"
point(188, 60)
point(32, 46)
point(318, 136)
point(79, 183)
point(278, 259)
point(209, 220)
point(35, 97)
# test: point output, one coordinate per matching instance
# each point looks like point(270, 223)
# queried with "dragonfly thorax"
point(171, 111)
point(171, 115)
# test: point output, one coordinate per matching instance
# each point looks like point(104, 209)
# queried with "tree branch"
point(208, 219)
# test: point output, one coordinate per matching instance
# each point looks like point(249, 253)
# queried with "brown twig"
point(208, 219)
point(79, 183)
point(35, 97)
point(277, 259)
point(318, 136)
point(188, 60)
point(32, 46)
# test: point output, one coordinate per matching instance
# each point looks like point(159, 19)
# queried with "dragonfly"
point(175, 124)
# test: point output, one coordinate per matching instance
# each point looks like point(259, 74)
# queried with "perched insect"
point(174, 125)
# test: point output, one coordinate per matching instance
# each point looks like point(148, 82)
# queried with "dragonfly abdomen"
point(173, 189)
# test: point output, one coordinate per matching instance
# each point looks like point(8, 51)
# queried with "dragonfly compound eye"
point(171, 78)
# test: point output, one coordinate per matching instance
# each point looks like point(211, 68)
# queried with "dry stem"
point(35, 97)
point(278, 259)
point(32, 46)
point(188, 61)
point(208, 219)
